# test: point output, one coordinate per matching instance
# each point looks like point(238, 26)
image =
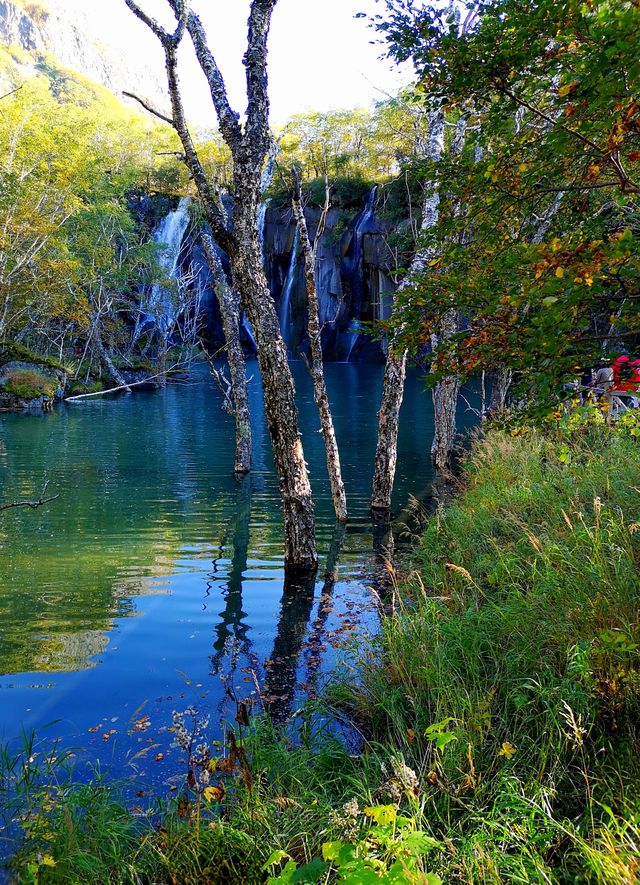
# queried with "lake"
point(155, 580)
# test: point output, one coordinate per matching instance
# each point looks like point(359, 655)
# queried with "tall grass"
point(509, 676)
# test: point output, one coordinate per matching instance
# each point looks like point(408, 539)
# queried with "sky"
point(320, 55)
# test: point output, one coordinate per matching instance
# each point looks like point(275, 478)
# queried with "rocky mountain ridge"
point(64, 30)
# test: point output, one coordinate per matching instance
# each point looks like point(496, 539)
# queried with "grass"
point(500, 708)
point(27, 385)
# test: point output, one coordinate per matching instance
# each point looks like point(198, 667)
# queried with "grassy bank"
point(499, 706)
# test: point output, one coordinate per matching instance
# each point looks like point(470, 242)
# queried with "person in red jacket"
point(626, 374)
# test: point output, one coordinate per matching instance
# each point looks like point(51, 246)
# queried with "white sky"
point(320, 55)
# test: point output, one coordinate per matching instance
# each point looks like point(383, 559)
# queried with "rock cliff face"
point(355, 285)
point(84, 43)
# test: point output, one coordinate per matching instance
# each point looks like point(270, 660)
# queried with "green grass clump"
point(29, 385)
point(508, 677)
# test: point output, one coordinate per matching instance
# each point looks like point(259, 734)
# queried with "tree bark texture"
point(316, 366)
point(501, 378)
point(446, 391)
point(396, 365)
point(249, 146)
point(230, 310)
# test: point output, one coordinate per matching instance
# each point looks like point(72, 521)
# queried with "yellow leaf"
point(214, 794)
point(566, 89)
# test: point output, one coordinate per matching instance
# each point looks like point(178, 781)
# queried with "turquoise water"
point(155, 580)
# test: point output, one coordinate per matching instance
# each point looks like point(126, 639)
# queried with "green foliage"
point(390, 850)
point(70, 153)
point(537, 239)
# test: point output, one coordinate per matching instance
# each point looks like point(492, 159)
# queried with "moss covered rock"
point(28, 386)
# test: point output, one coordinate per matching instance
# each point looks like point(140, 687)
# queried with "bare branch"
point(227, 117)
point(149, 108)
point(32, 505)
point(13, 92)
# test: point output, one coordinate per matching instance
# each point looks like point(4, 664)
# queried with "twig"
point(32, 505)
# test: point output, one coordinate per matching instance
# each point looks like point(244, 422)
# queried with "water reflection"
point(155, 579)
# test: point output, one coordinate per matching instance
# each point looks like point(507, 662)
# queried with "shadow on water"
point(156, 581)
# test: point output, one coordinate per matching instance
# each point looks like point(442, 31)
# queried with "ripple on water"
point(155, 573)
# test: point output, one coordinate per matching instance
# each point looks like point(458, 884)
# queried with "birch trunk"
point(396, 365)
point(249, 145)
point(445, 393)
point(230, 311)
point(316, 366)
point(445, 401)
point(501, 378)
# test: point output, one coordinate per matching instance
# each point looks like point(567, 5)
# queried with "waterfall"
point(365, 221)
point(262, 219)
point(286, 320)
point(160, 309)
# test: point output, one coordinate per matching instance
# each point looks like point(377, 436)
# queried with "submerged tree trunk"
point(279, 396)
point(230, 311)
point(316, 367)
point(396, 365)
point(249, 145)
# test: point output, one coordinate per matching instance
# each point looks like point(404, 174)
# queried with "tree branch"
point(255, 62)
point(32, 505)
point(227, 117)
point(149, 108)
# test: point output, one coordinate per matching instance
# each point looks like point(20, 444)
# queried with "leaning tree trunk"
point(230, 312)
point(316, 367)
point(396, 366)
point(106, 360)
point(249, 145)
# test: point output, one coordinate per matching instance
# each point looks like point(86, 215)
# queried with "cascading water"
point(364, 224)
point(262, 219)
point(160, 309)
point(286, 320)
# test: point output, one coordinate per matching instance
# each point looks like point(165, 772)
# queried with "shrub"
point(30, 385)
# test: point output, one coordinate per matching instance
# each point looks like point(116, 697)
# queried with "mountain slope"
point(109, 46)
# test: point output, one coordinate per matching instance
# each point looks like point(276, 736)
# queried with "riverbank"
point(498, 708)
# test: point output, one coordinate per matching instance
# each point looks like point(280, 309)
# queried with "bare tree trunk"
point(445, 401)
point(501, 378)
point(316, 367)
point(249, 145)
point(446, 391)
point(230, 311)
point(396, 366)
point(106, 360)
